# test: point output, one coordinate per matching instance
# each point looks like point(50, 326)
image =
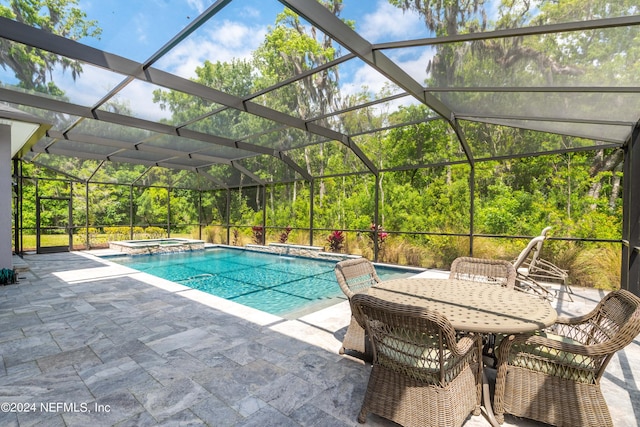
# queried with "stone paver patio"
point(84, 342)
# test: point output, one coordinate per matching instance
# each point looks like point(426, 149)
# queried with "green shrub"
point(214, 234)
point(81, 235)
point(138, 233)
point(117, 233)
point(154, 232)
point(597, 268)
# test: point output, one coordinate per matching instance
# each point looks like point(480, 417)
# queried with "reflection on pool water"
point(283, 286)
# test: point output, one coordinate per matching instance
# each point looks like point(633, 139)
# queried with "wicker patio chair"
point(542, 270)
point(554, 376)
point(484, 270)
point(488, 271)
point(356, 276)
point(524, 264)
point(421, 375)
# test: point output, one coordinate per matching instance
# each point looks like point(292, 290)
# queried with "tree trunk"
point(602, 163)
point(615, 189)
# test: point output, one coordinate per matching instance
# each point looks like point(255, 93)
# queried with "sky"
point(238, 29)
point(138, 29)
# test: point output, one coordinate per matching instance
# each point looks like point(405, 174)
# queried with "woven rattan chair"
point(356, 276)
point(542, 270)
point(488, 271)
point(484, 270)
point(524, 264)
point(554, 376)
point(421, 375)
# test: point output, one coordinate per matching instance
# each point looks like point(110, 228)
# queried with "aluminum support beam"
point(631, 215)
point(22, 33)
point(564, 27)
point(322, 18)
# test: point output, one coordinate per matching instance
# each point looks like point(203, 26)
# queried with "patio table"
point(471, 306)
point(479, 307)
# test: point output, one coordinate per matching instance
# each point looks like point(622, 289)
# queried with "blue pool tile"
point(175, 273)
point(327, 275)
point(306, 267)
point(262, 277)
point(311, 288)
point(216, 266)
point(222, 286)
point(271, 301)
point(276, 284)
point(254, 259)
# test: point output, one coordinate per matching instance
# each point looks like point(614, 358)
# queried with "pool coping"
point(254, 315)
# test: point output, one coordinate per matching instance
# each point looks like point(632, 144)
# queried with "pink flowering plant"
point(336, 240)
point(382, 235)
point(284, 236)
point(258, 233)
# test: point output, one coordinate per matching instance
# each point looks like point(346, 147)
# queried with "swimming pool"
point(284, 286)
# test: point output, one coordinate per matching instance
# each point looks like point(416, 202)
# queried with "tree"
point(32, 66)
point(235, 78)
point(447, 18)
point(565, 59)
point(289, 49)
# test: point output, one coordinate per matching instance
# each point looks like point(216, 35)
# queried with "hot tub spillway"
point(156, 246)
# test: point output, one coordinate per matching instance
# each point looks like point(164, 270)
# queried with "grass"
point(49, 240)
point(29, 241)
point(597, 267)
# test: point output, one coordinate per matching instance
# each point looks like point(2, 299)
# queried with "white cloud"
point(94, 83)
point(89, 87)
point(235, 35)
point(141, 25)
point(413, 61)
point(364, 77)
point(249, 12)
point(138, 96)
point(198, 5)
point(230, 40)
point(388, 22)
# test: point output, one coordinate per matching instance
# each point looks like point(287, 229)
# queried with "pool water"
point(283, 286)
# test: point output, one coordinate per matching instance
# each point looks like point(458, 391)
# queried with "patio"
point(130, 349)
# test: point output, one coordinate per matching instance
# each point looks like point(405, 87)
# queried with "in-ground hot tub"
point(156, 246)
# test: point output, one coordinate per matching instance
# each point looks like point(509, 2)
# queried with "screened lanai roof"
point(232, 93)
